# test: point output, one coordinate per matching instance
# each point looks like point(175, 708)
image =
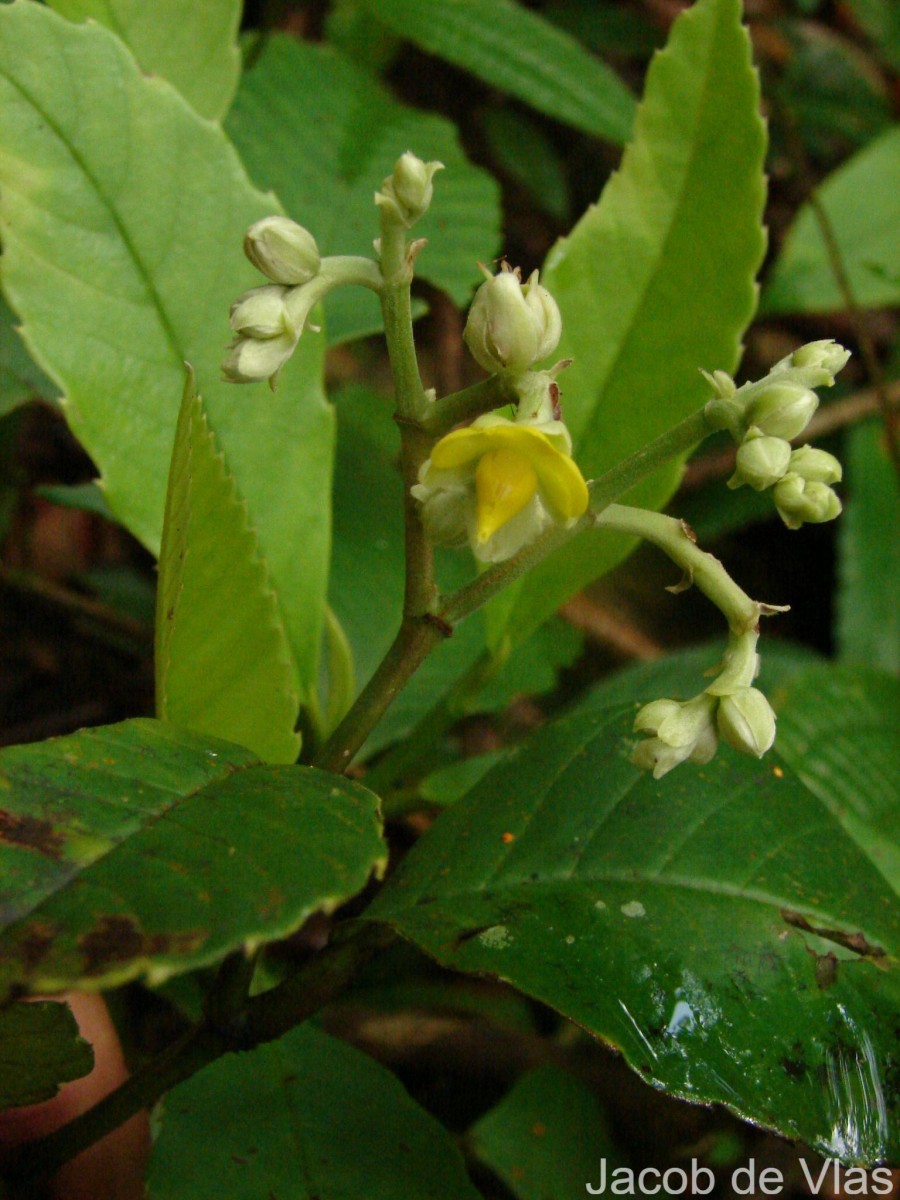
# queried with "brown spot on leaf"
point(857, 942)
point(118, 939)
point(31, 833)
point(37, 939)
point(826, 970)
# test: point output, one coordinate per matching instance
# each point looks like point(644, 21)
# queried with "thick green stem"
point(484, 397)
point(675, 441)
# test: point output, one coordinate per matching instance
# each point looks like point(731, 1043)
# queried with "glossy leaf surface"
point(41, 1049)
point(656, 281)
point(307, 1117)
point(123, 214)
point(517, 51)
point(319, 131)
point(223, 664)
point(135, 849)
point(719, 926)
point(868, 615)
point(193, 45)
point(861, 201)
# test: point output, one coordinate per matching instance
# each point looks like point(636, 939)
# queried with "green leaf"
point(720, 926)
point(545, 1138)
point(840, 731)
point(517, 51)
point(656, 281)
point(42, 1049)
point(522, 150)
point(318, 130)
point(223, 664)
point(137, 849)
point(306, 1117)
point(868, 616)
point(860, 199)
point(193, 45)
point(123, 214)
point(85, 497)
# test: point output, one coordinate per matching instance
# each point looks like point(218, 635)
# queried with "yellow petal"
point(560, 479)
point(504, 484)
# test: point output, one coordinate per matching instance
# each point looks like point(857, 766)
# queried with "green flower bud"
point(408, 191)
point(782, 410)
point(800, 502)
point(761, 461)
point(253, 359)
point(817, 363)
point(816, 466)
point(284, 251)
point(746, 721)
point(511, 327)
point(260, 313)
point(684, 731)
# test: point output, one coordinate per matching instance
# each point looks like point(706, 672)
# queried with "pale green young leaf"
point(138, 849)
point(723, 927)
point(860, 199)
point(868, 615)
point(657, 280)
point(306, 1117)
point(319, 131)
point(223, 664)
point(516, 50)
point(193, 44)
point(123, 214)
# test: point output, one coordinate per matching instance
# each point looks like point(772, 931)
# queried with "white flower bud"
point(284, 251)
point(253, 359)
point(761, 461)
point(408, 190)
point(260, 313)
point(800, 502)
point(782, 410)
point(819, 362)
point(511, 327)
point(683, 731)
point(746, 721)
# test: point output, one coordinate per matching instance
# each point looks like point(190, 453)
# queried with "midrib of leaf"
point(142, 272)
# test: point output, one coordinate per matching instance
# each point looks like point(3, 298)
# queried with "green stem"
point(486, 396)
point(263, 1019)
point(675, 441)
point(674, 538)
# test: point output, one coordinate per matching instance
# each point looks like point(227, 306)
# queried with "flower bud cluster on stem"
point(764, 417)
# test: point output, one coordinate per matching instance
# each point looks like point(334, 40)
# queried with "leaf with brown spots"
point(140, 849)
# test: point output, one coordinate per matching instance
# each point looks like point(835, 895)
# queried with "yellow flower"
point(499, 484)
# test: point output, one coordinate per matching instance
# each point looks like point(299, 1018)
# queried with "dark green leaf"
point(307, 1118)
point(193, 44)
point(719, 926)
point(136, 849)
point(86, 497)
point(323, 134)
point(546, 1137)
point(21, 379)
point(515, 50)
point(123, 213)
point(656, 281)
point(862, 201)
point(840, 731)
point(223, 664)
point(40, 1048)
point(521, 149)
point(868, 618)
point(881, 21)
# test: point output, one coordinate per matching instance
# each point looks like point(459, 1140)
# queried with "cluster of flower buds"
point(730, 708)
point(267, 321)
point(764, 417)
